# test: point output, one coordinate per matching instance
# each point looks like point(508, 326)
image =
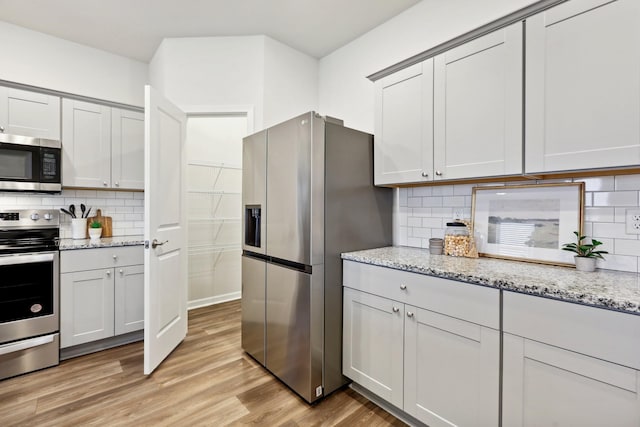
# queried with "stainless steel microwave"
point(30, 164)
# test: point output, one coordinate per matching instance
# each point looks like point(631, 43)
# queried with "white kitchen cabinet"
point(129, 299)
point(583, 86)
point(101, 293)
point(127, 149)
point(566, 364)
point(86, 306)
point(403, 148)
point(29, 113)
point(451, 370)
point(478, 107)
point(373, 344)
point(429, 346)
point(102, 147)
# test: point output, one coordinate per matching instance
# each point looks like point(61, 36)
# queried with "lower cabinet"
point(440, 365)
point(103, 301)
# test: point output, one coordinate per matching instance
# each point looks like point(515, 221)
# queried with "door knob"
point(155, 243)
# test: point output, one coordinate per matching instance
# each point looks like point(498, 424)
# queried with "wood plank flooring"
point(207, 381)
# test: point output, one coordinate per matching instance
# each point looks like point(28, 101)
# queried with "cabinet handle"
point(403, 287)
point(438, 173)
point(117, 184)
point(121, 272)
point(115, 257)
point(409, 314)
point(1, 128)
point(108, 272)
point(395, 309)
point(424, 174)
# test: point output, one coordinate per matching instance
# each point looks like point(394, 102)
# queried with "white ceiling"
point(135, 28)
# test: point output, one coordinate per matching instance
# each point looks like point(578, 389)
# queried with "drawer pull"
point(108, 272)
point(395, 309)
point(409, 314)
point(121, 272)
point(115, 257)
point(403, 287)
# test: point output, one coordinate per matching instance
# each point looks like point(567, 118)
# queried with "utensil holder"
point(79, 228)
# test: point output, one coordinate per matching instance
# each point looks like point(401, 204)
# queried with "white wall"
point(37, 59)
point(344, 90)
point(290, 82)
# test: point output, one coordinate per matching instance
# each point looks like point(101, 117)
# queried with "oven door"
point(29, 292)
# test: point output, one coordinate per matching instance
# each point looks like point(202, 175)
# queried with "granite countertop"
point(608, 289)
point(104, 242)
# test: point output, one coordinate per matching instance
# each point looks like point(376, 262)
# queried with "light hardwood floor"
point(208, 381)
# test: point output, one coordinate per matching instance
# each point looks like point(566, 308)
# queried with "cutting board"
point(104, 220)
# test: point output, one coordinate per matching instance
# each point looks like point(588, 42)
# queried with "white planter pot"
point(79, 228)
point(95, 233)
point(585, 264)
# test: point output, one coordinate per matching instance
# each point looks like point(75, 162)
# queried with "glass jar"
point(457, 241)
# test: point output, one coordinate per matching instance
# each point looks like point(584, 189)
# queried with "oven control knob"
point(35, 216)
point(48, 216)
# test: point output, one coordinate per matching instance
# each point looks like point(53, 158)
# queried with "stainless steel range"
point(29, 291)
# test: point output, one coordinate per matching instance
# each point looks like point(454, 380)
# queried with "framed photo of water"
point(527, 222)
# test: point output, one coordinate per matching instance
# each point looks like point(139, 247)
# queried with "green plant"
point(95, 224)
point(583, 249)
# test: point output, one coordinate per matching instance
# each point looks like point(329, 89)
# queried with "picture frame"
point(527, 222)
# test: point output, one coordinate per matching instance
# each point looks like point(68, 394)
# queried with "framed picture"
point(527, 222)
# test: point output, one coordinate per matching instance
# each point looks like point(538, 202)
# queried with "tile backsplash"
point(422, 212)
point(126, 208)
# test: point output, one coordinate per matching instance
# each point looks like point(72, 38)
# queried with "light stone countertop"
point(608, 289)
point(105, 242)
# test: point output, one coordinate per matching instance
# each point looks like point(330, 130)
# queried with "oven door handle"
point(26, 259)
point(25, 344)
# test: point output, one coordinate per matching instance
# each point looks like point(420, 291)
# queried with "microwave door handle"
point(25, 344)
point(25, 259)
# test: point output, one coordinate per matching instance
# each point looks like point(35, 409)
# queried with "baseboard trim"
point(103, 344)
point(396, 412)
point(213, 300)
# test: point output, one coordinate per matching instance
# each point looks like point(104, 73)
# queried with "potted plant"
point(95, 230)
point(587, 253)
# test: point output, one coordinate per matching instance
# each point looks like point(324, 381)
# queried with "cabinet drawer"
point(595, 332)
point(91, 259)
point(465, 301)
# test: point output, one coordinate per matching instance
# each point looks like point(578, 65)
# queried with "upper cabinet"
point(583, 86)
point(404, 126)
point(478, 107)
point(29, 114)
point(103, 147)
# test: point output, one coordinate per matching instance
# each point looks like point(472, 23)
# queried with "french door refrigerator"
point(307, 195)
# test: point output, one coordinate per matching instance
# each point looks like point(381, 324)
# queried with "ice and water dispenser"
point(252, 225)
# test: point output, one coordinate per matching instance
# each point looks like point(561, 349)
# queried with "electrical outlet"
point(632, 225)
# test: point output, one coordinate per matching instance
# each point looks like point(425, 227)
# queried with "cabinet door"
point(451, 374)
point(372, 344)
point(29, 113)
point(86, 144)
point(86, 306)
point(403, 145)
point(478, 107)
point(129, 299)
point(583, 86)
point(127, 149)
point(549, 386)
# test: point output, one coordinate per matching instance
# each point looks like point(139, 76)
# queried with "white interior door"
point(165, 229)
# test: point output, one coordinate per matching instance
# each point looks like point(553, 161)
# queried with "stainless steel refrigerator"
point(307, 196)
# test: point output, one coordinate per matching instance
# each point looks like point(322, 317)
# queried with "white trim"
point(213, 300)
point(213, 110)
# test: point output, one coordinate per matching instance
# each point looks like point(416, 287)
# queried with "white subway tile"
point(139, 225)
point(123, 209)
point(421, 212)
point(414, 221)
point(437, 233)
point(605, 229)
point(442, 212)
point(124, 195)
point(442, 190)
point(116, 202)
point(401, 239)
point(86, 194)
point(626, 247)
point(607, 244)
point(132, 232)
point(403, 194)
point(627, 182)
point(619, 262)
point(430, 202)
point(599, 214)
point(138, 209)
point(68, 193)
point(422, 191)
point(620, 214)
point(588, 199)
point(138, 195)
point(463, 189)
point(587, 229)
point(423, 233)
point(414, 202)
point(432, 222)
point(453, 201)
point(617, 198)
point(414, 242)
point(108, 194)
point(604, 183)
point(401, 217)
